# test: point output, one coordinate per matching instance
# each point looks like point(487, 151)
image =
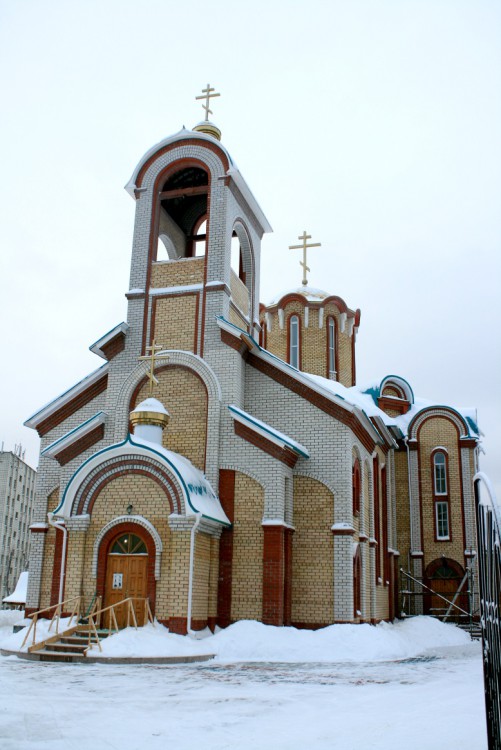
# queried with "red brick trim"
point(79, 446)
point(288, 533)
point(72, 406)
point(104, 547)
point(273, 574)
point(235, 343)
point(285, 455)
point(468, 443)
point(387, 402)
point(313, 397)
point(122, 467)
point(114, 346)
point(178, 144)
point(218, 288)
point(39, 530)
point(227, 498)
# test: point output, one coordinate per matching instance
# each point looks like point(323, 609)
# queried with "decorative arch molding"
point(116, 466)
point(120, 521)
point(183, 145)
point(438, 411)
point(246, 472)
point(207, 375)
point(312, 475)
point(400, 385)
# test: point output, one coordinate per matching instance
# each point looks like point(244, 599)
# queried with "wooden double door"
point(126, 576)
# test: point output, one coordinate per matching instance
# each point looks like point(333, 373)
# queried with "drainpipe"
point(62, 528)
point(192, 566)
point(409, 478)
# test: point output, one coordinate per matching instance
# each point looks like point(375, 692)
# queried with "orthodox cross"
point(206, 94)
point(153, 357)
point(304, 247)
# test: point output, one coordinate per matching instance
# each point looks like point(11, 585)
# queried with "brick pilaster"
point(274, 560)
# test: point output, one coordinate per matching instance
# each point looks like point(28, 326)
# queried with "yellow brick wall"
point(439, 431)
point(239, 293)
point(48, 555)
point(312, 553)
point(185, 398)
point(213, 576)
point(149, 501)
point(176, 321)
point(247, 571)
point(313, 341)
point(177, 272)
point(237, 319)
point(75, 563)
point(201, 577)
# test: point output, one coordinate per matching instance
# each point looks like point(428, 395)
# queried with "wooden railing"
point(96, 619)
point(74, 610)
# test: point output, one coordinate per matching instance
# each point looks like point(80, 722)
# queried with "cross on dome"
point(207, 95)
point(152, 358)
point(304, 247)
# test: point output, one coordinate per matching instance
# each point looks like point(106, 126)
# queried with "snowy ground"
point(417, 684)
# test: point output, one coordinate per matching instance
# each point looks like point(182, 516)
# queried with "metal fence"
point(489, 570)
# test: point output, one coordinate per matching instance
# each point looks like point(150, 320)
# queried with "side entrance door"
point(126, 576)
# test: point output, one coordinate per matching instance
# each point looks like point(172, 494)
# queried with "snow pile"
point(250, 641)
point(12, 641)
point(149, 641)
point(18, 596)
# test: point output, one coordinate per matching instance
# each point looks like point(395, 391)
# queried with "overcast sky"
point(374, 125)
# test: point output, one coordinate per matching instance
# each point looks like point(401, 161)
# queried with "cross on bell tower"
point(304, 247)
point(152, 358)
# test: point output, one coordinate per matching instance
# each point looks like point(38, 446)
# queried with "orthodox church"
point(222, 461)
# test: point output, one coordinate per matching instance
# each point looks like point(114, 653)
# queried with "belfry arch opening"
point(183, 214)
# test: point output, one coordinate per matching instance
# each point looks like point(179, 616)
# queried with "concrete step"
point(68, 656)
point(69, 648)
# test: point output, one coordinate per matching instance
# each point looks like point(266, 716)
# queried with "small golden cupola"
point(206, 126)
point(312, 330)
point(149, 419)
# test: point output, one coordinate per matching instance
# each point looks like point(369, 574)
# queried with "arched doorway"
point(444, 576)
point(126, 576)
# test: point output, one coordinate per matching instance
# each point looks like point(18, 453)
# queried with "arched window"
point(439, 473)
point(441, 496)
point(356, 487)
point(294, 341)
point(128, 544)
point(331, 349)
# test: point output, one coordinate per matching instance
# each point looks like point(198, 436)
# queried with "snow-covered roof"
point(311, 294)
point(49, 409)
point(269, 432)
point(72, 436)
point(96, 347)
point(198, 494)
point(18, 596)
point(366, 397)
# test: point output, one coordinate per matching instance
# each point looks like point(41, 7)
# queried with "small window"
point(440, 474)
point(294, 341)
point(442, 519)
point(356, 488)
point(129, 544)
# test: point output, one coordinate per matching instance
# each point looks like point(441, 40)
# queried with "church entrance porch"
point(126, 576)
point(443, 577)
